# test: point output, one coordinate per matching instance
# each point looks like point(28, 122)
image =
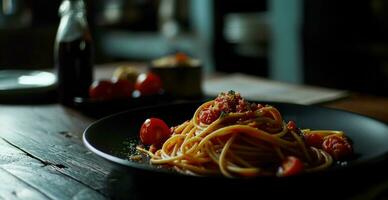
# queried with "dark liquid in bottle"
point(75, 69)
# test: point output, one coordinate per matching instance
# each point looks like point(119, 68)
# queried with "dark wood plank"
point(52, 134)
point(48, 181)
point(14, 188)
point(24, 177)
point(372, 106)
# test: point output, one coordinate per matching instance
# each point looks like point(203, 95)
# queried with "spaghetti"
point(235, 138)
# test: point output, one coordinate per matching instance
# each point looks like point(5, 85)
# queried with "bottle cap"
point(71, 5)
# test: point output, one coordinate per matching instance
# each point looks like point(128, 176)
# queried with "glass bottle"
point(73, 52)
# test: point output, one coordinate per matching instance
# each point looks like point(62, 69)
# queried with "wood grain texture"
point(13, 188)
point(52, 134)
point(372, 106)
point(24, 177)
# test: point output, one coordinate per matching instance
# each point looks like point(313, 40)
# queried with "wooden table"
point(42, 155)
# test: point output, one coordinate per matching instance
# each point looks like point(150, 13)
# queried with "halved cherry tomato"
point(291, 125)
point(154, 131)
point(102, 89)
point(122, 88)
point(314, 140)
point(291, 166)
point(337, 146)
point(148, 84)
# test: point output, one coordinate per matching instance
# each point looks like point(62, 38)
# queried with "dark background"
point(344, 44)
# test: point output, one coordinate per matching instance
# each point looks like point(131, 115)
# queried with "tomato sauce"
point(226, 103)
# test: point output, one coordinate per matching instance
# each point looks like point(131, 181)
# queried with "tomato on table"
point(291, 166)
point(148, 84)
point(102, 89)
point(122, 88)
point(154, 131)
point(107, 90)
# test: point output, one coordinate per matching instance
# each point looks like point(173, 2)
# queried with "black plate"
point(106, 138)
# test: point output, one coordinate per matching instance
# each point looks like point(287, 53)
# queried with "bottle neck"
point(70, 7)
point(73, 24)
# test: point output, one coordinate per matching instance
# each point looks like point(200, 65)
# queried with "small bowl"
point(180, 79)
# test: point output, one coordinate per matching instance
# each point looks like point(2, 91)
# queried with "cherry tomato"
point(291, 166)
point(154, 131)
point(314, 140)
point(337, 146)
point(291, 125)
point(122, 88)
point(148, 84)
point(102, 89)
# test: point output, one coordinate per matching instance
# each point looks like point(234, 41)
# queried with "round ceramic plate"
point(108, 138)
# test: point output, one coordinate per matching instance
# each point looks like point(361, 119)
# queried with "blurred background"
point(336, 44)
